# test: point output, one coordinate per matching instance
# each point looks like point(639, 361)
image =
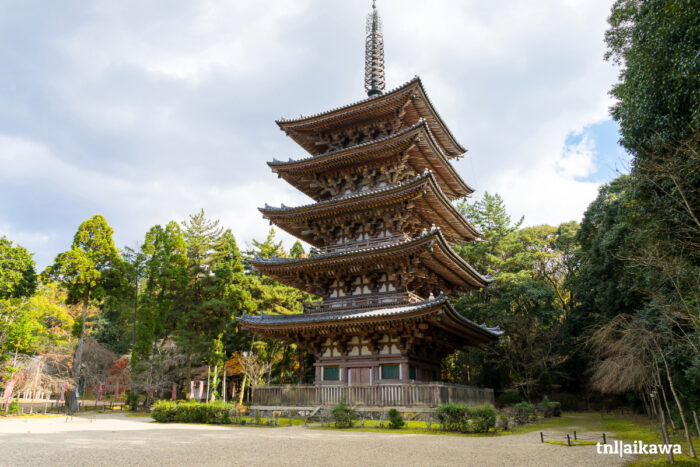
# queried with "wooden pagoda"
point(382, 225)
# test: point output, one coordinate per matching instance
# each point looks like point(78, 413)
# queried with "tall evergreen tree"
point(82, 271)
point(269, 248)
point(162, 302)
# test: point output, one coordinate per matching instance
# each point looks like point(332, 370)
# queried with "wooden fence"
point(400, 395)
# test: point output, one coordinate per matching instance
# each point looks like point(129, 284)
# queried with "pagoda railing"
point(358, 244)
point(400, 395)
point(361, 301)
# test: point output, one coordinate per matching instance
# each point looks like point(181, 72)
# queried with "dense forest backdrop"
point(596, 313)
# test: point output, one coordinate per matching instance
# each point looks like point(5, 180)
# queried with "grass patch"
point(413, 427)
point(413, 424)
point(281, 421)
point(635, 428)
point(568, 422)
point(626, 428)
point(401, 431)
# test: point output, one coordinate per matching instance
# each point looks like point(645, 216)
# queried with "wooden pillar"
point(403, 372)
point(319, 374)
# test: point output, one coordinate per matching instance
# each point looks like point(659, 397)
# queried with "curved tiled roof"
point(364, 253)
point(339, 317)
point(292, 169)
point(284, 120)
point(290, 124)
point(360, 194)
point(359, 197)
point(397, 135)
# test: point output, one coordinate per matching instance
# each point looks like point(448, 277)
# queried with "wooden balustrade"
point(403, 395)
point(361, 301)
point(359, 244)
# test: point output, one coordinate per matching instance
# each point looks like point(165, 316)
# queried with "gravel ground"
point(120, 440)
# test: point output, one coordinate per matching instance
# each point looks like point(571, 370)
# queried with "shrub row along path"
point(115, 439)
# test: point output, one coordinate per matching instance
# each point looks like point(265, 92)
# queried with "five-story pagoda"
point(382, 225)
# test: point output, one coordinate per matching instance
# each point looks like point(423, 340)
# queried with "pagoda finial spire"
point(374, 53)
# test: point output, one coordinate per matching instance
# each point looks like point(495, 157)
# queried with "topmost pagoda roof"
point(410, 96)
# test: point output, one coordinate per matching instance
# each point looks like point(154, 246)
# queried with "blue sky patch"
point(610, 160)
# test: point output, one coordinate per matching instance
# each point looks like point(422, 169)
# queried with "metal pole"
point(541, 437)
point(568, 439)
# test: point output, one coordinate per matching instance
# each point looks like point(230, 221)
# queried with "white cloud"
point(131, 207)
point(577, 160)
point(146, 112)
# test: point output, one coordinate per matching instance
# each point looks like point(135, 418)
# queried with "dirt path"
point(117, 440)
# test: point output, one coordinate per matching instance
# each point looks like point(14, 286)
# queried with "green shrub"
point(483, 418)
point(13, 408)
point(453, 417)
point(549, 409)
point(194, 412)
point(465, 419)
point(343, 416)
point(395, 419)
point(524, 413)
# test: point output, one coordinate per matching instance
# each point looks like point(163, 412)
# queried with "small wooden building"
point(382, 225)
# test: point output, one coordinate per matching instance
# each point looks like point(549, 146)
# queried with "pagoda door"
point(359, 376)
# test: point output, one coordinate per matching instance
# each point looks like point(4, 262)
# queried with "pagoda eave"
point(428, 252)
point(417, 142)
point(425, 194)
point(410, 97)
point(438, 312)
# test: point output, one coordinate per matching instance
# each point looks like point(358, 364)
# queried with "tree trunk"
point(663, 393)
point(224, 391)
point(72, 394)
point(136, 306)
point(240, 394)
point(208, 380)
point(214, 381)
point(691, 449)
point(664, 433)
point(189, 394)
point(645, 404)
point(149, 380)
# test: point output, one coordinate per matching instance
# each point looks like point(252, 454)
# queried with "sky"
point(148, 111)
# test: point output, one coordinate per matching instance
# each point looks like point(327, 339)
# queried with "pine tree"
point(297, 250)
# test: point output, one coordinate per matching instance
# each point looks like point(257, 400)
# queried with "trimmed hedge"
point(549, 409)
point(466, 419)
point(194, 412)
